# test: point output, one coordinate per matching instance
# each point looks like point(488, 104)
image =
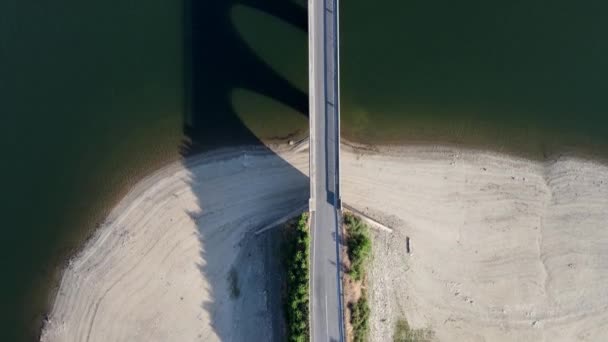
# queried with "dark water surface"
point(91, 98)
point(517, 75)
point(95, 94)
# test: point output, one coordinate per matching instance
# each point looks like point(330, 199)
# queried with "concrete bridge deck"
point(325, 204)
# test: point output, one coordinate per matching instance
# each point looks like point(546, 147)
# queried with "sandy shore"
point(503, 248)
point(159, 269)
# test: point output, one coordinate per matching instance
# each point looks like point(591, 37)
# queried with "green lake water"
point(96, 94)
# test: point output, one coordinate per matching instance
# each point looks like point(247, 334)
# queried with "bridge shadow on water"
point(218, 61)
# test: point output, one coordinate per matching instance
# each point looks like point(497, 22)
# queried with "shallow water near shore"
point(95, 95)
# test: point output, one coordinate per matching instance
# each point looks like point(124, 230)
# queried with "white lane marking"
point(313, 268)
point(312, 142)
point(326, 320)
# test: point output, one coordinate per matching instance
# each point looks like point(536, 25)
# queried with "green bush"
point(359, 245)
point(403, 333)
point(297, 264)
point(359, 318)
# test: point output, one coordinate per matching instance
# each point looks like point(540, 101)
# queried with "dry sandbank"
point(504, 248)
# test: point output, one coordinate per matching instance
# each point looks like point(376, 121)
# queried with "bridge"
point(326, 317)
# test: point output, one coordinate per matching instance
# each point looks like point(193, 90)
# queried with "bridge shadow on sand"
point(218, 61)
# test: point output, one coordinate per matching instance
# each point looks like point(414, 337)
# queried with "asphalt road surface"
point(326, 306)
